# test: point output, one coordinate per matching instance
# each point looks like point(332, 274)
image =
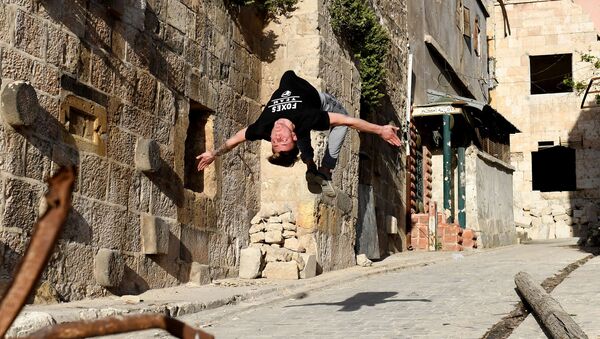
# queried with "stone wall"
point(489, 193)
point(545, 28)
point(161, 81)
point(106, 77)
point(330, 224)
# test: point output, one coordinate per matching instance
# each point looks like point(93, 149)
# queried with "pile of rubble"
point(546, 221)
point(275, 251)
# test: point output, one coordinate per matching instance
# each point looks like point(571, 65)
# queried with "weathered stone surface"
point(250, 263)
point(536, 212)
point(147, 155)
point(523, 221)
point(289, 234)
point(310, 266)
point(558, 210)
point(288, 217)
point(273, 237)
point(256, 228)
point(281, 270)
point(29, 322)
point(547, 219)
point(563, 230)
point(362, 260)
point(274, 227)
point(294, 245)
point(275, 220)
point(46, 294)
point(154, 234)
point(256, 219)
point(199, 274)
point(108, 268)
point(257, 237)
point(288, 226)
point(18, 103)
point(536, 222)
point(278, 254)
point(591, 212)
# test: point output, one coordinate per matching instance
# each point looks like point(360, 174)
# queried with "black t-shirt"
point(296, 100)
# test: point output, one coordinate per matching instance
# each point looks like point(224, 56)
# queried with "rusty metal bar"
point(45, 234)
point(115, 325)
point(587, 91)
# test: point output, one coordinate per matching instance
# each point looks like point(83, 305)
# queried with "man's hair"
point(286, 158)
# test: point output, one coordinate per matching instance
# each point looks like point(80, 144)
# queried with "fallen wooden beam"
point(553, 317)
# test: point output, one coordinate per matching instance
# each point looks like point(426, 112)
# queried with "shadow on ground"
point(359, 300)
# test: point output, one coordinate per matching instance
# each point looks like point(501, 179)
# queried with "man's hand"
point(206, 159)
point(389, 133)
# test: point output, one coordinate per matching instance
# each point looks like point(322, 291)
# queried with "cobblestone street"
point(461, 298)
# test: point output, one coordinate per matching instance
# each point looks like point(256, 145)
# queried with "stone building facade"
point(537, 44)
point(120, 81)
point(459, 139)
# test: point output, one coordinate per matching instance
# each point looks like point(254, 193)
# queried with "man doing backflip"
point(295, 109)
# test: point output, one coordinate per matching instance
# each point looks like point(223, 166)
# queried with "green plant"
point(270, 7)
point(355, 22)
point(580, 86)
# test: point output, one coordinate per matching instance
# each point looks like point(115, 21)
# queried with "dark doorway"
point(553, 169)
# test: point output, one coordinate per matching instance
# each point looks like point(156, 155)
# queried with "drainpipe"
point(462, 218)
point(447, 148)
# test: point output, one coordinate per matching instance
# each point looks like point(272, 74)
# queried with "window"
point(548, 72)
point(477, 37)
point(553, 169)
point(199, 139)
point(467, 27)
point(85, 122)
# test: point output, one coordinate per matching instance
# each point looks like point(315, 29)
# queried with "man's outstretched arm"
point(208, 157)
point(388, 133)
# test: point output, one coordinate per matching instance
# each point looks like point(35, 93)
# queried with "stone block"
point(523, 221)
point(256, 228)
point(154, 234)
point(257, 237)
point(288, 217)
point(391, 224)
point(277, 254)
point(310, 266)
point(289, 234)
point(29, 322)
point(536, 222)
point(287, 226)
point(199, 274)
point(108, 267)
point(293, 244)
point(147, 155)
point(281, 270)
point(256, 219)
point(536, 212)
point(250, 263)
point(274, 227)
point(275, 220)
point(558, 210)
point(562, 230)
point(273, 237)
point(547, 219)
point(18, 103)
point(363, 260)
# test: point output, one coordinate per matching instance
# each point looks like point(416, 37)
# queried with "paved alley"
point(460, 298)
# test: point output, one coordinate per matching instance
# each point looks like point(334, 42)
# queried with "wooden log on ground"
point(556, 321)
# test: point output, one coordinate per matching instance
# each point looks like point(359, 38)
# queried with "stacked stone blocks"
point(275, 251)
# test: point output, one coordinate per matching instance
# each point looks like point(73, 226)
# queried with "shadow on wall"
point(357, 301)
point(584, 138)
point(251, 24)
point(381, 167)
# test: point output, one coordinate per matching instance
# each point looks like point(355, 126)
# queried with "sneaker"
point(326, 185)
point(314, 186)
